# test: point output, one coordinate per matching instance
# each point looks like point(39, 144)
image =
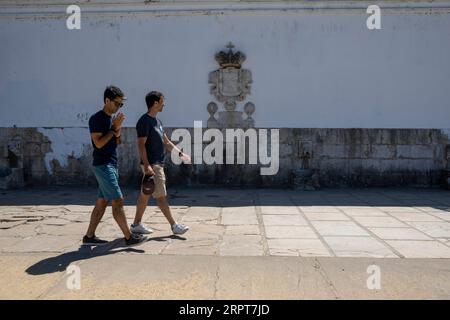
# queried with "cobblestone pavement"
point(277, 233)
point(374, 223)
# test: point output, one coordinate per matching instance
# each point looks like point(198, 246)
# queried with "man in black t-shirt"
point(151, 143)
point(105, 135)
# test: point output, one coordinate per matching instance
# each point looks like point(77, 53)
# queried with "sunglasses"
point(118, 104)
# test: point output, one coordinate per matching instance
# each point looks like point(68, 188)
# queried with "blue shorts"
point(108, 182)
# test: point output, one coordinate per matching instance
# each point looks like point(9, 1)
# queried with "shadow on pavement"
point(236, 197)
point(61, 262)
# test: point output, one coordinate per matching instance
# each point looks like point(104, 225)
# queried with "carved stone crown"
point(230, 59)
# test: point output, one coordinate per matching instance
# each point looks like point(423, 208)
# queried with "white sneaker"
point(140, 228)
point(179, 228)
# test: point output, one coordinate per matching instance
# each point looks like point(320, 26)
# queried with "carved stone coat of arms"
point(230, 84)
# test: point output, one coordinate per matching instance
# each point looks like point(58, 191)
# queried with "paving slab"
point(290, 232)
point(441, 215)
point(242, 230)
point(328, 209)
point(364, 212)
point(192, 247)
point(237, 218)
point(359, 247)
point(379, 222)
point(302, 247)
point(284, 220)
point(433, 229)
point(20, 231)
point(414, 216)
point(326, 216)
point(43, 243)
point(420, 249)
point(242, 245)
point(399, 234)
point(339, 228)
point(287, 209)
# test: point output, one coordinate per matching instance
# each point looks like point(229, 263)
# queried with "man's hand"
point(148, 170)
point(117, 132)
point(117, 124)
point(118, 120)
point(185, 158)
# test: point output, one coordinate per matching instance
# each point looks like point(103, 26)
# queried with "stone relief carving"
point(230, 84)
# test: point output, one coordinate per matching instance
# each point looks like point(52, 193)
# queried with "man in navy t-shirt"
point(101, 122)
point(105, 135)
point(151, 143)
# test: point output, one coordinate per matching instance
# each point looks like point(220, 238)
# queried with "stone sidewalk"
point(373, 223)
point(353, 227)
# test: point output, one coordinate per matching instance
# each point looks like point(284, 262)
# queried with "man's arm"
point(117, 134)
point(143, 154)
point(169, 144)
point(117, 126)
point(99, 140)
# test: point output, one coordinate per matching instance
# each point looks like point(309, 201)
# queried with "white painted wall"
point(319, 68)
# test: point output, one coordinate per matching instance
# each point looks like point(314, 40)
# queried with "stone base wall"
point(334, 157)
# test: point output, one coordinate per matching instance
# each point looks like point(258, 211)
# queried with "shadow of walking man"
point(61, 262)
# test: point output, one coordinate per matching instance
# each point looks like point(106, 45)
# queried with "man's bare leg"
point(141, 205)
point(119, 216)
point(163, 205)
point(96, 216)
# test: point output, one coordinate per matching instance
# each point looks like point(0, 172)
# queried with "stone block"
point(380, 151)
point(356, 151)
point(422, 165)
point(415, 151)
point(286, 151)
point(330, 136)
point(354, 136)
point(383, 165)
point(46, 147)
point(413, 136)
point(338, 165)
point(32, 149)
point(14, 180)
point(285, 135)
point(387, 136)
point(3, 151)
point(333, 151)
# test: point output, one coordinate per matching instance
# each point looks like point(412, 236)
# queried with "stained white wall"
point(319, 68)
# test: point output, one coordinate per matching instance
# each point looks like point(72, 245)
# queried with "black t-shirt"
point(152, 128)
point(101, 122)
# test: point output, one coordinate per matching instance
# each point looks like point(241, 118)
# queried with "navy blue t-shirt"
point(101, 122)
point(152, 128)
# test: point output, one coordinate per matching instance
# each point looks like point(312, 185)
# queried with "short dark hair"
point(152, 97)
point(112, 92)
